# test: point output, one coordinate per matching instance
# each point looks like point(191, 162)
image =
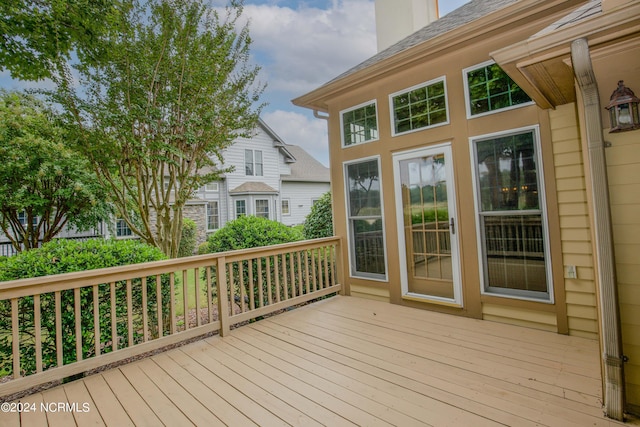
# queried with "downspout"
point(612, 357)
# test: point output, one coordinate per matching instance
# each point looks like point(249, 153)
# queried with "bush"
point(65, 256)
point(250, 232)
point(319, 222)
point(203, 248)
point(188, 239)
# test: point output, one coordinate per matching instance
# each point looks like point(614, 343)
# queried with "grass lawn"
point(191, 290)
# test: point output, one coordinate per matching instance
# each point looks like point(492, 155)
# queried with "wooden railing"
point(58, 326)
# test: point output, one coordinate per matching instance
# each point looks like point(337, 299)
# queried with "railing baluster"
point(159, 305)
point(209, 294)
point(58, 300)
point(277, 277)
point(285, 285)
point(252, 297)
point(327, 282)
point(306, 271)
point(313, 270)
point(114, 317)
point(78, 323)
point(96, 320)
point(172, 302)
point(232, 288)
point(269, 270)
point(223, 302)
point(260, 283)
point(145, 314)
point(37, 324)
point(292, 275)
point(185, 299)
point(129, 314)
point(196, 274)
point(15, 337)
point(300, 289)
point(241, 285)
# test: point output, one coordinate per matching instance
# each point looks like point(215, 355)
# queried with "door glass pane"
point(426, 224)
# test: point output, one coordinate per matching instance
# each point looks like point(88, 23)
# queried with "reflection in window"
point(262, 208)
point(420, 108)
point(360, 125)
point(241, 208)
point(365, 219)
point(490, 89)
point(511, 217)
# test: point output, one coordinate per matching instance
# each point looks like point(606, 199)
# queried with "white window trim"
point(255, 207)
point(215, 184)
point(253, 162)
point(467, 104)
point(288, 207)
point(521, 295)
point(352, 273)
point(364, 104)
point(409, 89)
point(207, 211)
point(235, 207)
point(130, 236)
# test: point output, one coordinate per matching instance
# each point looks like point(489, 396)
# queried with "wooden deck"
point(344, 361)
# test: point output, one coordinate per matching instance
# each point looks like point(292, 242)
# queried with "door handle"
point(452, 225)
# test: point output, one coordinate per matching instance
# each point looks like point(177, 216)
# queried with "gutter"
point(610, 335)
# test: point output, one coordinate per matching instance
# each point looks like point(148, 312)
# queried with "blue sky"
point(300, 45)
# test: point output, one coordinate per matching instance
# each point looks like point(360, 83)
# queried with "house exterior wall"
point(301, 196)
point(449, 64)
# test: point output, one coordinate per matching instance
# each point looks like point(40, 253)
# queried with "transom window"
point(241, 208)
point(253, 163)
point(512, 223)
point(213, 218)
point(419, 107)
point(262, 208)
point(489, 89)
point(364, 213)
point(359, 124)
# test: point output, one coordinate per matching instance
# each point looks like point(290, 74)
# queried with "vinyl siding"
point(575, 233)
point(301, 196)
point(623, 163)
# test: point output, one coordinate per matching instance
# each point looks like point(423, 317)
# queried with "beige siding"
point(368, 292)
point(520, 317)
point(623, 161)
point(575, 232)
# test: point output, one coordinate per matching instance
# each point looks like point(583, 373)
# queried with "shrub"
point(250, 232)
point(65, 256)
point(188, 238)
point(319, 222)
point(203, 248)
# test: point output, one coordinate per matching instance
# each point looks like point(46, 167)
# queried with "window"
point(511, 216)
point(212, 186)
point(285, 207)
point(262, 208)
point(22, 217)
point(359, 124)
point(364, 213)
point(241, 208)
point(253, 162)
point(420, 107)
point(122, 228)
point(213, 219)
point(489, 89)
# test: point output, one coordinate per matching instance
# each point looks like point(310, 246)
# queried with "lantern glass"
point(623, 109)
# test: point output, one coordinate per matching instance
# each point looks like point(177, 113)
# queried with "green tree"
point(174, 90)
point(319, 222)
point(44, 185)
point(37, 34)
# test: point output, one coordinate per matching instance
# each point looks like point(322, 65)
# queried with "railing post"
point(339, 268)
point(223, 302)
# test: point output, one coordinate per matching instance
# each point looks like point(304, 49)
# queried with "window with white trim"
point(213, 217)
point(489, 88)
point(419, 107)
point(262, 208)
point(212, 186)
point(512, 221)
point(241, 208)
point(364, 214)
point(359, 124)
point(284, 207)
point(253, 165)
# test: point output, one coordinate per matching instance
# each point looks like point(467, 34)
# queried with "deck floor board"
point(343, 362)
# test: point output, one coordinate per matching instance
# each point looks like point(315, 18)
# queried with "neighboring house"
point(469, 174)
point(270, 179)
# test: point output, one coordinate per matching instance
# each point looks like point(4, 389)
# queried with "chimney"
point(396, 19)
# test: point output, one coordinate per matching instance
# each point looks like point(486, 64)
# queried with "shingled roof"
point(465, 14)
point(306, 168)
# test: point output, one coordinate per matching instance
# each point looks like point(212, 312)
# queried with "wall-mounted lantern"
point(623, 109)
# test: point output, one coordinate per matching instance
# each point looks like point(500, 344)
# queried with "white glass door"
point(427, 228)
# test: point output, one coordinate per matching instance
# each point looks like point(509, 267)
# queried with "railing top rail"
point(59, 282)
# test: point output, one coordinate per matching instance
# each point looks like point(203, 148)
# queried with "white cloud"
point(298, 129)
point(304, 48)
